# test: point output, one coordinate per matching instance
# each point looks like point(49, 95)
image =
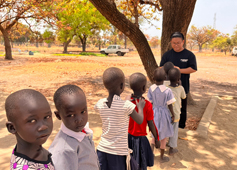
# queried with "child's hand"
point(172, 119)
point(157, 144)
point(141, 103)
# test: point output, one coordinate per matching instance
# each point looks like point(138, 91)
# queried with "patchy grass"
point(93, 54)
point(82, 54)
point(66, 54)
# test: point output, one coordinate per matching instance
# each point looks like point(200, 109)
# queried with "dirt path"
point(215, 76)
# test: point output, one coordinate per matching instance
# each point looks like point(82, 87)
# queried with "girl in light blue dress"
point(162, 98)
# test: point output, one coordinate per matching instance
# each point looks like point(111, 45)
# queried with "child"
point(73, 148)
point(161, 96)
point(113, 147)
point(137, 139)
point(30, 120)
point(179, 93)
point(167, 66)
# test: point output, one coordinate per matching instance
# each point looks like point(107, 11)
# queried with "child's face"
point(33, 123)
point(73, 111)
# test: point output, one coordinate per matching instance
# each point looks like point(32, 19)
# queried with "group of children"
point(123, 143)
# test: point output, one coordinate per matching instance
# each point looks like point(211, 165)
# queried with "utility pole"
point(214, 23)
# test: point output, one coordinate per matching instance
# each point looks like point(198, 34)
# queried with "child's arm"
point(154, 132)
point(138, 117)
point(170, 106)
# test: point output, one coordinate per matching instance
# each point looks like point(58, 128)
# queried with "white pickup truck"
point(114, 49)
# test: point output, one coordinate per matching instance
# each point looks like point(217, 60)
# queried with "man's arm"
point(188, 70)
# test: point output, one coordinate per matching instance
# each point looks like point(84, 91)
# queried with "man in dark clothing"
point(185, 61)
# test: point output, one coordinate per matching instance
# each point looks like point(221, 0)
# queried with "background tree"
point(189, 42)
point(222, 42)
point(19, 33)
point(77, 18)
point(234, 37)
point(13, 11)
point(202, 35)
point(48, 37)
point(154, 41)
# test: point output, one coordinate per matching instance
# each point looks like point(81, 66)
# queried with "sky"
point(226, 16)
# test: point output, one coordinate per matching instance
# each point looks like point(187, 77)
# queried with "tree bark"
point(125, 41)
point(177, 15)
point(83, 39)
point(109, 11)
point(200, 47)
point(65, 45)
point(8, 50)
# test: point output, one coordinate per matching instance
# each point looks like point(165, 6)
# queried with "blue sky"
point(226, 16)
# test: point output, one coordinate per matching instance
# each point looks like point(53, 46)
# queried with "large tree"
point(222, 42)
point(202, 35)
point(177, 15)
point(13, 11)
point(77, 18)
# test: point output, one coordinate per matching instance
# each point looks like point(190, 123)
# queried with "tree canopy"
point(202, 35)
point(13, 11)
point(78, 18)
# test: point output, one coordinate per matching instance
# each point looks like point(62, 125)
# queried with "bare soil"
point(216, 75)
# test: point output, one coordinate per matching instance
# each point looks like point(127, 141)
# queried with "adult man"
point(185, 61)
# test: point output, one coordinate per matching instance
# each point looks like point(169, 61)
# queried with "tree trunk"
point(65, 45)
point(8, 50)
point(37, 42)
point(177, 15)
point(200, 47)
point(83, 39)
point(99, 46)
point(109, 11)
point(125, 41)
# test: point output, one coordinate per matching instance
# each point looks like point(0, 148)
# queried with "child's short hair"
point(137, 81)
point(167, 66)
point(159, 74)
point(66, 89)
point(26, 94)
point(112, 78)
point(174, 75)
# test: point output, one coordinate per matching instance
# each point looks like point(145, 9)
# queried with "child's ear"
point(57, 115)
point(121, 86)
point(11, 127)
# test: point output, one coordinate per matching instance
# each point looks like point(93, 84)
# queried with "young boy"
point(113, 147)
point(179, 93)
point(30, 120)
point(73, 148)
point(137, 139)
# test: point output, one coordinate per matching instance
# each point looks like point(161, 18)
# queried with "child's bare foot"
point(172, 151)
point(164, 159)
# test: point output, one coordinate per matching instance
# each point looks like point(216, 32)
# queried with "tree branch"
point(148, 2)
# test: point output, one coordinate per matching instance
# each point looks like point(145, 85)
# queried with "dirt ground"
point(216, 75)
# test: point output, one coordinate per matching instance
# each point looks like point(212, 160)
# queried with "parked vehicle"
point(234, 51)
point(114, 49)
